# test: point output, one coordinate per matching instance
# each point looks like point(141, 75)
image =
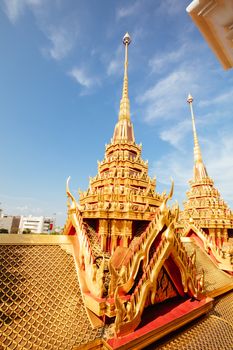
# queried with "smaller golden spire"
point(199, 167)
point(197, 150)
point(124, 112)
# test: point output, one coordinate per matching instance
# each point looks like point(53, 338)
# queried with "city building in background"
point(27, 224)
point(9, 224)
point(36, 224)
point(214, 19)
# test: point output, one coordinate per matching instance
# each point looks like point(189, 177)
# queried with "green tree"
point(3, 230)
point(27, 231)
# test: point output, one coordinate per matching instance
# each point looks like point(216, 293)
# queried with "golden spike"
point(197, 150)
point(124, 112)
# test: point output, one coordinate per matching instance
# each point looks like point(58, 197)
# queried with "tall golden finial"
point(199, 167)
point(124, 112)
point(197, 150)
point(123, 131)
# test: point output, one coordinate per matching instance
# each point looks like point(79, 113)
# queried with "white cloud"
point(161, 61)
point(62, 35)
point(183, 51)
point(176, 134)
point(168, 7)
point(223, 98)
point(22, 208)
point(26, 210)
point(62, 42)
point(115, 65)
point(127, 11)
point(176, 166)
point(80, 75)
point(17, 205)
point(218, 159)
point(167, 97)
point(15, 8)
point(179, 74)
point(171, 7)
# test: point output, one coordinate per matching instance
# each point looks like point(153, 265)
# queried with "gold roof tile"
point(41, 302)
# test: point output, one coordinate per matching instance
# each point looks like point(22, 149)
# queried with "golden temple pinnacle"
point(197, 150)
point(124, 129)
point(124, 112)
point(199, 167)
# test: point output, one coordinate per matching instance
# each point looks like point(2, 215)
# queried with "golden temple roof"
point(42, 305)
point(211, 332)
point(41, 302)
point(122, 269)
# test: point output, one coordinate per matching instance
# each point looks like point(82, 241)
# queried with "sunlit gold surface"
point(42, 307)
point(41, 302)
point(121, 254)
point(204, 204)
point(211, 332)
point(216, 281)
point(214, 19)
point(122, 192)
point(121, 263)
point(205, 212)
point(197, 150)
point(34, 239)
point(124, 104)
point(147, 292)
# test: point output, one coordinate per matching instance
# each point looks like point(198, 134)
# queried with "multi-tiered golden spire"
point(204, 204)
point(199, 167)
point(121, 198)
point(124, 129)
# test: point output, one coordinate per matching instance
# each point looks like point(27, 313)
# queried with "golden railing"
point(94, 276)
point(223, 257)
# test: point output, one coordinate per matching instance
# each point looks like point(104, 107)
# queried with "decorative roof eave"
point(206, 14)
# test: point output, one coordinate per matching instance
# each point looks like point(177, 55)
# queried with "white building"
point(36, 224)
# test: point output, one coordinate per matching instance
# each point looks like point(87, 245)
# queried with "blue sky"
point(61, 69)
